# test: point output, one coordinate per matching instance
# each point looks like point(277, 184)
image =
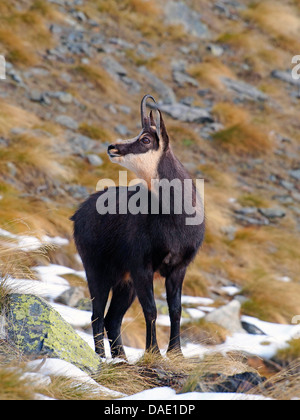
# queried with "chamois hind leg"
point(174, 291)
point(123, 297)
point(99, 290)
point(143, 283)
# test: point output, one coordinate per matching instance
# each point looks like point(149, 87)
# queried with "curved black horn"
point(144, 110)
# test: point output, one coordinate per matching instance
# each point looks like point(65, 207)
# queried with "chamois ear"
point(152, 122)
point(163, 134)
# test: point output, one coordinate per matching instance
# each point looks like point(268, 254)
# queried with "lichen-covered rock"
point(37, 329)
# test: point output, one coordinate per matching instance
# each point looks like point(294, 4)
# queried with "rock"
point(185, 113)
point(165, 92)
point(187, 100)
point(245, 90)
point(178, 13)
point(252, 221)
point(285, 76)
point(215, 49)
point(80, 16)
point(182, 78)
point(249, 216)
point(209, 129)
point(64, 97)
point(227, 317)
point(240, 383)
point(3, 142)
point(125, 109)
point(230, 232)
point(113, 67)
point(85, 305)
point(252, 329)
point(94, 160)
point(122, 43)
point(2, 328)
point(295, 174)
point(80, 145)
point(56, 29)
point(38, 330)
point(296, 196)
point(71, 297)
point(290, 186)
point(16, 77)
point(36, 96)
point(67, 122)
point(132, 85)
point(122, 130)
point(272, 213)
point(246, 211)
point(283, 199)
point(12, 169)
point(78, 192)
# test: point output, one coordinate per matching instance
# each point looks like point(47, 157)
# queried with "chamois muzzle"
point(113, 151)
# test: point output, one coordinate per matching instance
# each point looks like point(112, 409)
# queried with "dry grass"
point(283, 386)
point(279, 21)
point(144, 15)
point(243, 140)
point(229, 114)
point(272, 300)
point(68, 389)
point(216, 363)
point(291, 354)
point(240, 136)
point(255, 49)
point(122, 377)
point(204, 333)
point(35, 158)
point(12, 116)
point(32, 21)
point(209, 72)
point(98, 77)
point(252, 200)
point(14, 386)
point(195, 284)
point(143, 7)
point(275, 17)
point(96, 132)
point(15, 49)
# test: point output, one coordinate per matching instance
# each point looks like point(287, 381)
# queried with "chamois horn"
point(145, 119)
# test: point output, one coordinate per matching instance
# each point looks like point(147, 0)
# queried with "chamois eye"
point(145, 140)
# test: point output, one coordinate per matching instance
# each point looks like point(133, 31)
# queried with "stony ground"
point(221, 71)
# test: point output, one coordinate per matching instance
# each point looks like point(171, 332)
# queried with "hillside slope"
point(75, 75)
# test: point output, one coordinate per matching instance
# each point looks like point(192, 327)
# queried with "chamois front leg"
point(99, 291)
point(174, 291)
point(143, 282)
point(123, 297)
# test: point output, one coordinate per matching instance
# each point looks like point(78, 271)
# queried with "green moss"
point(37, 329)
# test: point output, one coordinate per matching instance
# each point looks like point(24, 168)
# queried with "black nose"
point(111, 147)
point(113, 151)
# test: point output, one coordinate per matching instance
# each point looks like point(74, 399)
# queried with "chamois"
point(122, 252)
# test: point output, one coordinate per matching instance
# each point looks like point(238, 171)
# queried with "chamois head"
point(142, 154)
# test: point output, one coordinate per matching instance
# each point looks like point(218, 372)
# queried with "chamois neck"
point(171, 168)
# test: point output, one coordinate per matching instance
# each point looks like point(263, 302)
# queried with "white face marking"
point(144, 165)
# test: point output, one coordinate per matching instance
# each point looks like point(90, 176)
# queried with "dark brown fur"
point(123, 252)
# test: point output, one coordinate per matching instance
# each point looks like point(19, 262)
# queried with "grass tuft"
point(243, 140)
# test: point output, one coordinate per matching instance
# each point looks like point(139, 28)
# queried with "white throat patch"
point(144, 165)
